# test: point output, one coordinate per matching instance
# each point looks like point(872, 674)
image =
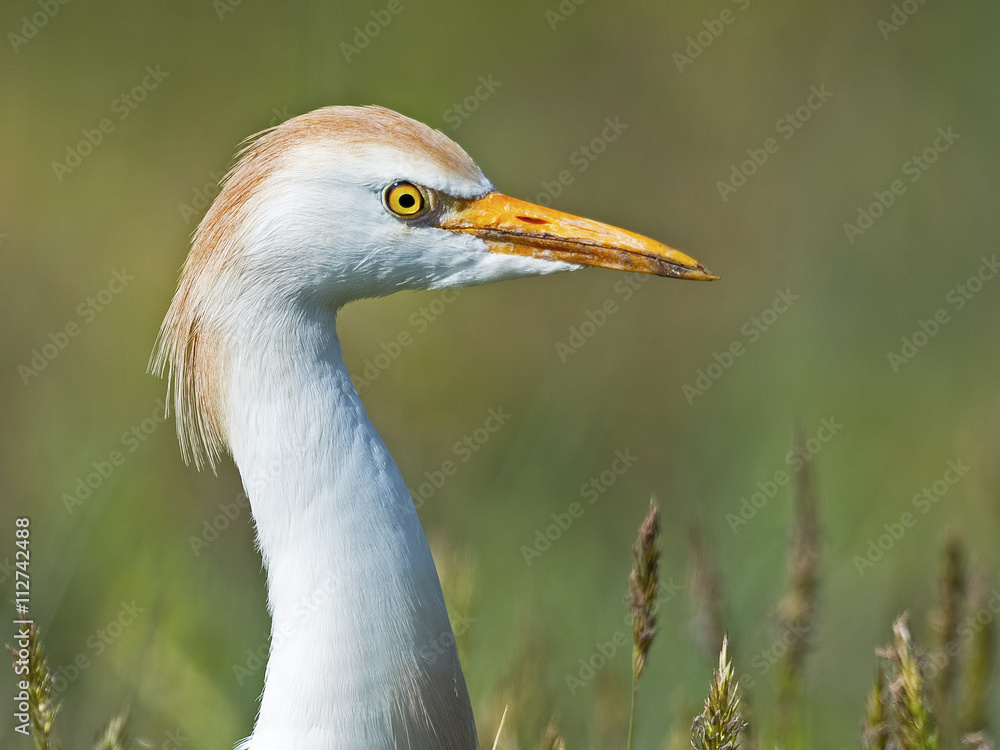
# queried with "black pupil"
point(406, 200)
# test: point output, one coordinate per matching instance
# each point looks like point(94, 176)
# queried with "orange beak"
point(516, 227)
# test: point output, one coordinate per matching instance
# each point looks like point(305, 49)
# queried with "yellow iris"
point(405, 199)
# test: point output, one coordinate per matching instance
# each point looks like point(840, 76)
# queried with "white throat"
point(362, 653)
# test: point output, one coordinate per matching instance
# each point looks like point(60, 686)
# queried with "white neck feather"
point(362, 653)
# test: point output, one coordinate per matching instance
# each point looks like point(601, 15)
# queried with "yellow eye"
point(404, 199)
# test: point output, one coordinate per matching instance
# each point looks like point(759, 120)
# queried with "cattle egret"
point(336, 205)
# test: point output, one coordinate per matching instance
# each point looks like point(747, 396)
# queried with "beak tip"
point(696, 272)
point(706, 274)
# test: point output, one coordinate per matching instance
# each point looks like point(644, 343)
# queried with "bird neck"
point(362, 652)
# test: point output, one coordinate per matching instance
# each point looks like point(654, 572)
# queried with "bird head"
point(345, 203)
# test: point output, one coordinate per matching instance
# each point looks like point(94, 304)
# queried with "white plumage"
point(362, 653)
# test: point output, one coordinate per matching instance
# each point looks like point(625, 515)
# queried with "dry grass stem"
point(979, 661)
point(944, 621)
point(797, 611)
point(552, 740)
point(705, 597)
point(503, 718)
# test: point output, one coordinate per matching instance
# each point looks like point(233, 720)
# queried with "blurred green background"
point(557, 72)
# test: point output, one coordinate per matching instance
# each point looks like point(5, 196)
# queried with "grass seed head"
point(42, 705)
point(644, 586)
point(720, 723)
point(914, 726)
point(875, 732)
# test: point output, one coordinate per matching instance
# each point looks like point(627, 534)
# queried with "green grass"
point(913, 695)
